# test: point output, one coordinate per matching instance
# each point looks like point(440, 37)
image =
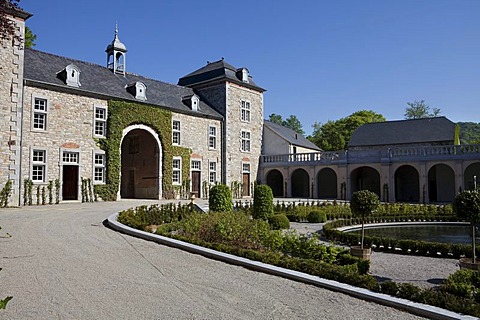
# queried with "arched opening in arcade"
point(441, 183)
point(140, 163)
point(472, 176)
point(300, 184)
point(327, 184)
point(275, 181)
point(365, 178)
point(407, 185)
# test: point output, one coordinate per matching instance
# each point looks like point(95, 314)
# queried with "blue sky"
point(319, 60)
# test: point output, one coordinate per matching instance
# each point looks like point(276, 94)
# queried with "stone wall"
point(11, 82)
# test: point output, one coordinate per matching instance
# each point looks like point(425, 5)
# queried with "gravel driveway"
point(63, 263)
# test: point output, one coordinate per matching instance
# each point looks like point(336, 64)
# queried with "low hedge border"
point(409, 247)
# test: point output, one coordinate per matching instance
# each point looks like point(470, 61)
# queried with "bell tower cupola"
point(116, 54)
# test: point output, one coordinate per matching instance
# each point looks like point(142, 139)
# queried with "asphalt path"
point(61, 262)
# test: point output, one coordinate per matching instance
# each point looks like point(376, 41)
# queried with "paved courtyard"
point(63, 263)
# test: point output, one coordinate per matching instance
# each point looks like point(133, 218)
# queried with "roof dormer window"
point(192, 101)
point(70, 75)
point(242, 74)
point(138, 90)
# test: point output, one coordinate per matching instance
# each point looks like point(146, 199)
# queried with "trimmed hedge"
point(262, 202)
point(316, 216)
point(220, 198)
point(279, 222)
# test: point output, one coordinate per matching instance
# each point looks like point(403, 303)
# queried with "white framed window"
point(39, 165)
point(196, 165)
point(245, 111)
point(99, 168)
point(177, 171)
point(100, 121)
point(69, 157)
point(212, 137)
point(212, 172)
point(245, 141)
point(245, 167)
point(39, 115)
point(176, 132)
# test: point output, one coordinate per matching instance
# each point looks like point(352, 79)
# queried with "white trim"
point(179, 170)
point(95, 166)
point(95, 119)
point(44, 112)
point(178, 131)
point(249, 139)
point(212, 136)
point(38, 163)
point(248, 111)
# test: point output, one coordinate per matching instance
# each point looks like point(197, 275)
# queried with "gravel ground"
point(63, 263)
point(421, 271)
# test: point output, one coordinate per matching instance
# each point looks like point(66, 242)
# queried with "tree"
point(467, 206)
point(335, 135)
point(30, 38)
point(291, 122)
point(363, 204)
point(7, 25)
point(419, 109)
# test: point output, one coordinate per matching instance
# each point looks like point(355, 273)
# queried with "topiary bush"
point(220, 198)
point(363, 204)
point(279, 222)
point(467, 206)
point(262, 202)
point(316, 216)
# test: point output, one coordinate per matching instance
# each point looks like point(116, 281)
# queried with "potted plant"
point(467, 206)
point(362, 204)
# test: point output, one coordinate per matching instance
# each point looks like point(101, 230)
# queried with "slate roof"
point(41, 70)
point(217, 71)
point(415, 131)
point(290, 135)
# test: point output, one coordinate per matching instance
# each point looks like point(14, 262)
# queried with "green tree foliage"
point(220, 198)
point(467, 206)
point(335, 135)
point(291, 122)
point(363, 204)
point(419, 109)
point(262, 202)
point(30, 38)
point(469, 132)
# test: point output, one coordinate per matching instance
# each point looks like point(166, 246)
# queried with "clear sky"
point(319, 60)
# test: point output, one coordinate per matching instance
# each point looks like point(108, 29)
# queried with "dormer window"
point(138, 90)
point(192, 101)
point(70, 75)
point(242, 74)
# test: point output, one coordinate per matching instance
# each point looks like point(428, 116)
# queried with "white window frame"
point(176, 132)
point(212, 137)
point(245, 112)
point(245, 141)
point(37, 111)
point(195, 165)
point(177, 171)
point(70, 157)
point(212, 172)
point(100, 121)
point(39, 164)
point(99, 166)
point(246, 167)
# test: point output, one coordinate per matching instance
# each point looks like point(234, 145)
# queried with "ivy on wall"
point(122, 114)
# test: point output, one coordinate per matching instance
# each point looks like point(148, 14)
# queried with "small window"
point(99, 168)
point(138, 90)
point(70, 157)
point(212, 137)
point(176, 132)
point(246, 167)
point(177, 171)
point(212, 172)
point(70, 75)
point(100, 122)
point(39, 164)
point(245, 112)
point(245, 141)
point(196, 165)
point(40, 109)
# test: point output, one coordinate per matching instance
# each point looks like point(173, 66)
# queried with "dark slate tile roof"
point(215, 71)
point(290, 135)
point(415, 131)
point(41, 69)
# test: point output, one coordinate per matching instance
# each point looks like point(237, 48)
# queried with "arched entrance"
point(275, 181)
point(141, 163)
point(407, 187)
point(441, 183)
point(300, 184)
point(471, 171)
point(327, 184)
point(365, 178)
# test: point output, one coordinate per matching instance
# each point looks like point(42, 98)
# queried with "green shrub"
point(316, 216)
point(220, 198)
point(262, 202)
point(5, 193)
point(279, 221)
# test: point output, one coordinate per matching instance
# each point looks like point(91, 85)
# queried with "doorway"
point(70, 182)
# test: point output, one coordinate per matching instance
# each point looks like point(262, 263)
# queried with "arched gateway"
point(141, 163)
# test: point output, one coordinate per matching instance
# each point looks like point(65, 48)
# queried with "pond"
point(453, 234)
